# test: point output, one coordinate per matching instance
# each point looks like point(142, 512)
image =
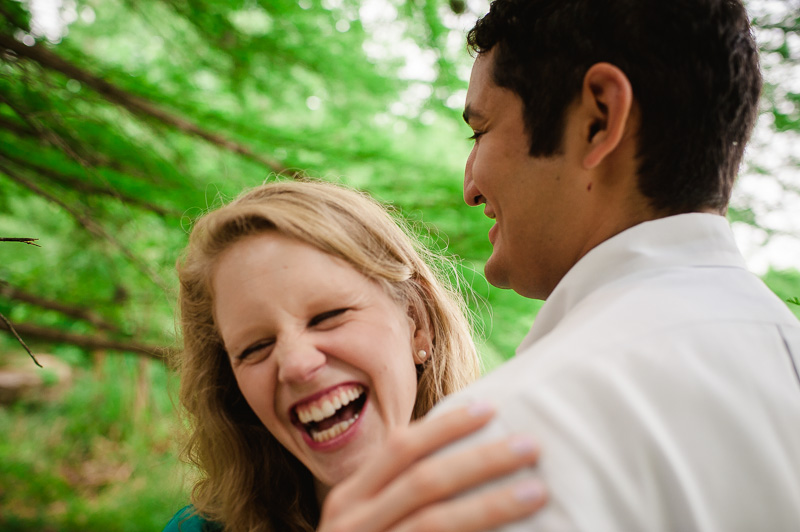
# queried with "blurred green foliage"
point(785, 283)
point(94, 460)
point(127, 120)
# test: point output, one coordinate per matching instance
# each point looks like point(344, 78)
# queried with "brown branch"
point(78, 313)
point(50, 136)
point(29, 241)
point(77, 184)
point(133, 103)
point(18, 129)
point(88, 224)
point(68, 144)
point(11, 17)
point(13, 331)
point(46, 334)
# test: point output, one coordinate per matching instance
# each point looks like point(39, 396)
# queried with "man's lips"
point(488, 211)
point(493, 233)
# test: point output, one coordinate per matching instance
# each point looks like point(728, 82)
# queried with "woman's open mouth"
point(331, 414)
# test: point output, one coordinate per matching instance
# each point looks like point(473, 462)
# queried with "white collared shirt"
point(661, 379)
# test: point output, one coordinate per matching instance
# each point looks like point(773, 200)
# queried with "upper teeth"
point(327, 405)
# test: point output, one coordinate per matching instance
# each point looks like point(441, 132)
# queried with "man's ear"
point(606, 97)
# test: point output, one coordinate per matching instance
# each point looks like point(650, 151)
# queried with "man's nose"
point(472, 195)
point(298, 360)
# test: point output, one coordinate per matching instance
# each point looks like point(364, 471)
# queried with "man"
point(660, 377)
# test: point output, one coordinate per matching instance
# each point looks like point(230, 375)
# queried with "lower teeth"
point(334, 431)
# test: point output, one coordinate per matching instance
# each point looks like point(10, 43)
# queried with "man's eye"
point(475, 135)
point(319, 318)
point(256, 348)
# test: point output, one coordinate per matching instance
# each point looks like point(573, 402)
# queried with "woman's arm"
point(407, 487)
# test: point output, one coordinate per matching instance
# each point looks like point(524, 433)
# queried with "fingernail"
point(480, 408)
point(529, 491)
point(522, 445)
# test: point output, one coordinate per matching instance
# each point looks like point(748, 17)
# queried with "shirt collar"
point(694, 239)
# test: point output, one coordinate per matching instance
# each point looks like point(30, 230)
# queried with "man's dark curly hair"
point(693, 66)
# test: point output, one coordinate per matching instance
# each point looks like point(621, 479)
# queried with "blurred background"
point(123, 120)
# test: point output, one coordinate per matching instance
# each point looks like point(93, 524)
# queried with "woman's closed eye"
point(262, 345)
point(324, 317)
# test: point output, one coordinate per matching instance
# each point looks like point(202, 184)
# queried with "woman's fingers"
point(439, 477)
point(404, 486)
point(409, 445)
point(478, 512)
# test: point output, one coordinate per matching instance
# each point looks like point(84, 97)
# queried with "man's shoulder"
point(656, 351)
point(674, 302)
point(636, 429)
point(647, 396)
point(695, 292)
point(661, 331)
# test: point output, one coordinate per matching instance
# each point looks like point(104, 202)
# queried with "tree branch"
point(10, 328)
point(18, 129)
point(78, 313)
point(75, 183)
point(71, 146)
point(46, 334)
point(50, 136)
point(133, 103)
point(14, 17)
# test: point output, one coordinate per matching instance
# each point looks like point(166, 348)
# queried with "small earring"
point(422, 355)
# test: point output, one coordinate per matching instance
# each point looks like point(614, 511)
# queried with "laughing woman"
point(312, 328)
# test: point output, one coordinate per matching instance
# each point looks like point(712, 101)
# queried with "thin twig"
point(20, 340)
point(29, 241)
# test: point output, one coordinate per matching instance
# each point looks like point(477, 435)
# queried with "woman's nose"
point(298, 361)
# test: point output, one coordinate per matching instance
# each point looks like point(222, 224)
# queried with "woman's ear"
point(420, 357)
point(422, 345)
point(606, 99)
point(422, 339)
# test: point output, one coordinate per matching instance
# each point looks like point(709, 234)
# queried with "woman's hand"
point(405, 489)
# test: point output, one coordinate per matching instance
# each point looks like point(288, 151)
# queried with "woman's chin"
point(334, 460)
point(324, 481)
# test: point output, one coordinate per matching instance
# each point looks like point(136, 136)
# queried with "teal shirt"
point(184, 521)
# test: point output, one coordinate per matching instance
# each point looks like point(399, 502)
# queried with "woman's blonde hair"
point(248, 480)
